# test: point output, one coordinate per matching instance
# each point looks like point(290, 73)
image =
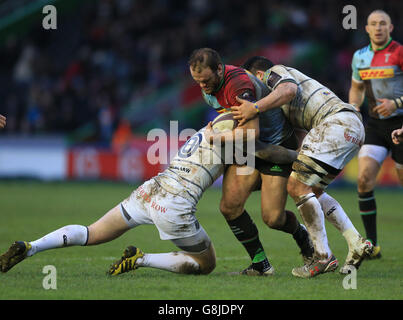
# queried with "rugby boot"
point(355, 256)
point(127, 262)
point(316, 267)
point(15, 254)
point(376, 253)
point(263, 268)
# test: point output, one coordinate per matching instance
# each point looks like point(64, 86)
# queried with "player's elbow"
point(288, 90)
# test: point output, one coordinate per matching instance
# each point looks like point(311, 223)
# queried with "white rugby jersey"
point(313, 101)
point(193, 169)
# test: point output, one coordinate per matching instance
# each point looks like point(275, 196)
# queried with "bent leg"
point(273, 200)
point(198, 256)
point(235, 191)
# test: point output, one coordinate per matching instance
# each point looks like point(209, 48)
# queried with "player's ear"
point(219, 70)
point(260, 74)
point(366, 28)
point(391, 27)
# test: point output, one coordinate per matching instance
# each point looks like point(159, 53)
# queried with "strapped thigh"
point(313, 172)
point(195, 244)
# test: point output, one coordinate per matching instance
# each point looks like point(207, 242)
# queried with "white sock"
point(314, 220)
point(71, 235)
point(172, 261)
point(335, 214)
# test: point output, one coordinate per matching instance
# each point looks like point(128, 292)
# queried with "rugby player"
point(377, 75)
point(220, 85)
point(334, 134)
point(2, 121)
point(168, 201)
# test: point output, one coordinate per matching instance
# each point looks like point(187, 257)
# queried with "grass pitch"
point(29, 210)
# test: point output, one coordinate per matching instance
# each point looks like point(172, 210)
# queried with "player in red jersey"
point(378, 76)
point(221, 84)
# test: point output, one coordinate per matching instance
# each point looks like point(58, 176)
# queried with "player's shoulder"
point(234, 72)
point(362, 50)
point(236, 78)
point(396, 46)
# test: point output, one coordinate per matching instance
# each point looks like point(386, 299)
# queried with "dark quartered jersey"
point(381, 71)
point(273, 127)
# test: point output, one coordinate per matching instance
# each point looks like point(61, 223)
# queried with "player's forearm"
point(356, 95)
point(283, 94)
point(274, 153)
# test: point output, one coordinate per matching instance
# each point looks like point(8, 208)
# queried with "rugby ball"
point(224, 122)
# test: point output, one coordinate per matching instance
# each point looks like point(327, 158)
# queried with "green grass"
point(31, 209)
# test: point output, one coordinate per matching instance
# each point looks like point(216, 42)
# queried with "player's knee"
point(230, 209)
point(207, 266)
point(365, 182)
point(206, 261)
point(296, 188)
point(273, 219)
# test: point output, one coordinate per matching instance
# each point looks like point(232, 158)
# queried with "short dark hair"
point(257, 63)
point(205, 57)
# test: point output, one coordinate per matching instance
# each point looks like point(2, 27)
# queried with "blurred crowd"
point(107, 53)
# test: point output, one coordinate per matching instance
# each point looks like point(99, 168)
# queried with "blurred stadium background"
point(80, 100)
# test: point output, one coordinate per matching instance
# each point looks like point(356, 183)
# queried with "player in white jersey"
point(334, 135)
point(168, 201)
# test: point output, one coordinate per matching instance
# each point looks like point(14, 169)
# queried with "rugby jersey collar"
point(381, 48)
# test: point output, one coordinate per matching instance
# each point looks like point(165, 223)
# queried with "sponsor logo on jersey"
point(368, 74)
point(183, 169)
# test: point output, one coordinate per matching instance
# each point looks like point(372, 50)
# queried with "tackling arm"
point(275, 153)
point(282, 94)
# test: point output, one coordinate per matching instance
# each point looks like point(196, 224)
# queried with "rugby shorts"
point(150, 204)
point(378, 133)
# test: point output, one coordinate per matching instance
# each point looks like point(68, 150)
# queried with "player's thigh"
point(310, 175)
point(334, 141)
point(236, 189)
point(108, 227)
point(273, 199)
point(297, 187)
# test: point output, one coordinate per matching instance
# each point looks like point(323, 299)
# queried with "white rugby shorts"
point(171, 214)
point(336, 140)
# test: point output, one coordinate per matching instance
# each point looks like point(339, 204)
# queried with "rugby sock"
point(246, 232)
point(172, 261)
point(71, 235)
point(335, 214)
point(367, 206)
point(314, 220)
point(291, 223)
point(298, 232)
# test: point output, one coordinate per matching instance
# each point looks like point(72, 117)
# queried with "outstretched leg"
point(107, 228)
